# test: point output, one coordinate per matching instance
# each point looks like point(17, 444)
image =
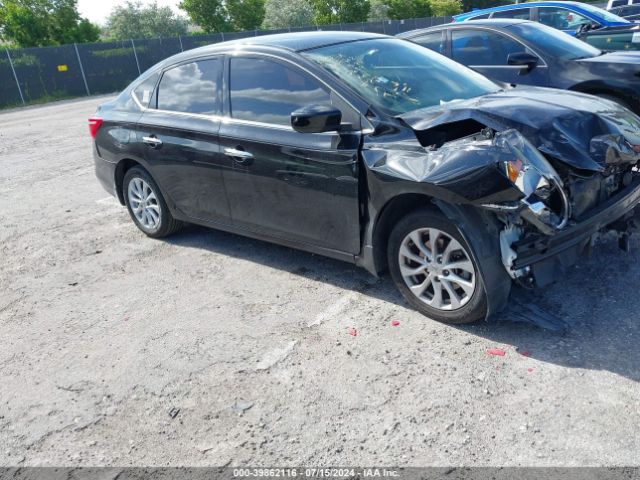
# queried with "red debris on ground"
point(498, 352)
point(525, 354)
point(529, 370)
point(353, 332)
point(395, 323)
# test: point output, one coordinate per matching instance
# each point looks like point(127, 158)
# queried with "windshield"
point(398, 76)
point(554, 42)
point(603, 14)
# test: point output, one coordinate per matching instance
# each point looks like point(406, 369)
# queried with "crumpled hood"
point(559, 123)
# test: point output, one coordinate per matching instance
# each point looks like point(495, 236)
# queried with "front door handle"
point(238, 154)
point(152, 141)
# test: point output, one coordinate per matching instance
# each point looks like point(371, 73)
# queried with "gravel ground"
point(213, 349)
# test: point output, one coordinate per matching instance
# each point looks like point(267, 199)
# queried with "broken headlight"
point(545, 203)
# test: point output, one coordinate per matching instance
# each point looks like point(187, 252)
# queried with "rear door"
point(487, 52)
point(300, 187)
point(179, 136)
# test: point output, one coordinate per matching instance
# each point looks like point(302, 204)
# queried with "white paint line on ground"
point(108, 201)
point(276, 355)
point(334, 309)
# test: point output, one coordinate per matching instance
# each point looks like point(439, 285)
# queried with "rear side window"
point(144, 91)
point(267, 91)
point(192, 88)
point(520, 13)
point(433, 41)
point(480, 17)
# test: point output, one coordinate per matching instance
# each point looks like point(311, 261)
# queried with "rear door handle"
point(152, 141)
point(235, 153)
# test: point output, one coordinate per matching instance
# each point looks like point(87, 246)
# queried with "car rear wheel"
point(146, 205)
point(432, 266)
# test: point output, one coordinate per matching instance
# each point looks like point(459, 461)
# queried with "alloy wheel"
point(144, 204)
point(437, 269)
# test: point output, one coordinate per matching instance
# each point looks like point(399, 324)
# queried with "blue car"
point(594, 25)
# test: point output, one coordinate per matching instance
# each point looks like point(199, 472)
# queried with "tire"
point(146, 205)
point(456, 303)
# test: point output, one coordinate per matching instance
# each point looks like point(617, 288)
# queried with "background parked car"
point(629, 12)
point(528, 53)
point(594, 25)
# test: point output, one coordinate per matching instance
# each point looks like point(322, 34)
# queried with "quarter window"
point(433, 41)
point(144, 91)
point(192, 88)
point(482, 47)
point(267, 91)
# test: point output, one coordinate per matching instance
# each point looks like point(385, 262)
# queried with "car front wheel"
point(146, 204)
point(432, 266)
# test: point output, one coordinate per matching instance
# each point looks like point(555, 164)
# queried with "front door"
point(179, 135)
point(297, 187)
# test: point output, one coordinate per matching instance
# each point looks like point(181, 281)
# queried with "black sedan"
point(375, 151)
point(529, 53)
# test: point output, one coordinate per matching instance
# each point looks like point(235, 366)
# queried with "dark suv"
point(376, 151)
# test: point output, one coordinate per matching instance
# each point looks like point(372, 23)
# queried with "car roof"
point(513, 6)
point(291, 42)
point(495, 22)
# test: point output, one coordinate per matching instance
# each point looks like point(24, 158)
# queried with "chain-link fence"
point(31, 75)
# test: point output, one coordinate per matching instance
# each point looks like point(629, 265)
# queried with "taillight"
point(94, 125)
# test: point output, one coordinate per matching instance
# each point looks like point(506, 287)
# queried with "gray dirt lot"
point(104, 332)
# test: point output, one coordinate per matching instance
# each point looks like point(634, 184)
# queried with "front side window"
point(561, 18)
point(267, 91)
point(399, 76)
point(483, 47)
point(519, 13)
point(192, 88)
point(433, 41)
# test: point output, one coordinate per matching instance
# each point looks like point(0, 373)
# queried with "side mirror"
point(316, 119)
point(525, 60)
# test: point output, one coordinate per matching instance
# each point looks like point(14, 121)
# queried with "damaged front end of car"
point(543, 219)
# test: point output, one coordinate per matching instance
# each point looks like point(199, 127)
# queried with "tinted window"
point(144, 91)
point(561, 18)
point(482, 47)
point(520, 13)
point(267, 91)
point(191, 88)
point(399, 76)
point(432, 41)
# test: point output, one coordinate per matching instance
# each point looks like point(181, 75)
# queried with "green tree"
point(33, 23)
point(225, 16)
point(402, 9)
point(442, 8)
point(340, 11)
point(210, 15)
point(133, 20)
point(379, 11)
point(287, 13)
point(245, 14)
